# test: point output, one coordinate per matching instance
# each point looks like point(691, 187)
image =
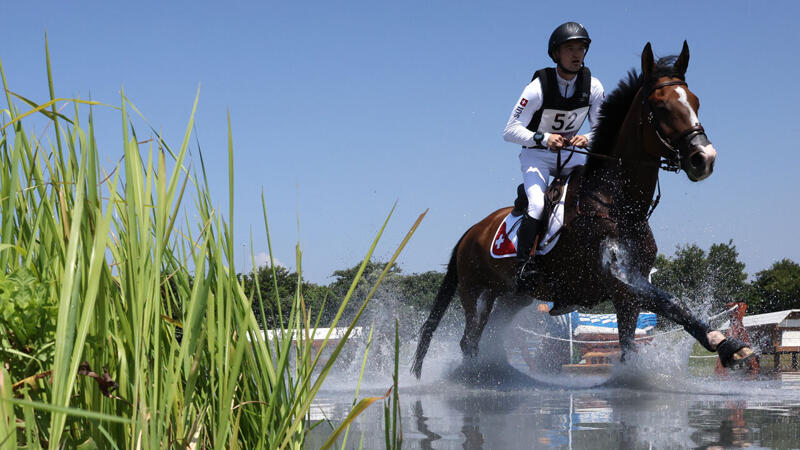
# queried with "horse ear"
point(648, 62)
point(683, 59)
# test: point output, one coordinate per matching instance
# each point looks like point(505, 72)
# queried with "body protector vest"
point(561, 115)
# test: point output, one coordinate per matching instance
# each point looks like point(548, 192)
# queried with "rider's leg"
point(526, 238)
point(536, 166)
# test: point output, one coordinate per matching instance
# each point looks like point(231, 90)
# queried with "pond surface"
point(443, 416)
point(652, 402)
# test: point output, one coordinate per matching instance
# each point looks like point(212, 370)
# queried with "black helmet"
point(565, 32)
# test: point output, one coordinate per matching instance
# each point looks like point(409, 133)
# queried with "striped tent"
point(601, 323)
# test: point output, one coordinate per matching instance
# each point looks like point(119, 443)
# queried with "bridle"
point(672, 161)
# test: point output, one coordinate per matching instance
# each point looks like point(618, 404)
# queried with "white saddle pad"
point(504, 244)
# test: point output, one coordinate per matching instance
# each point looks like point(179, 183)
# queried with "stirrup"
point(524, 275)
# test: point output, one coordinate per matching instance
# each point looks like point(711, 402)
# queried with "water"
point(654, 401)
point(447, 416)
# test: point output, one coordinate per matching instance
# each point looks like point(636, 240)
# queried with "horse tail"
point(446, 291)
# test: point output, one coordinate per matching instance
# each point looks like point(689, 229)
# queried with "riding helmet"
point(568, 31)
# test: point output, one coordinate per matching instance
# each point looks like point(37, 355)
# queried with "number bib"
point(562, 122)
point(561, 115)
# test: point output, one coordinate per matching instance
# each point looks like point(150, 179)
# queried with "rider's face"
point(571, 54)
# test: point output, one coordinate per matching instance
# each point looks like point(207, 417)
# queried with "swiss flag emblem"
point(502, 245)
point(523, 102)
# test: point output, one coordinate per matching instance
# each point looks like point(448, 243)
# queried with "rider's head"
point(568, 46)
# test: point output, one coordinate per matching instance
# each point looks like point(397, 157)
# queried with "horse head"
point(670, 108)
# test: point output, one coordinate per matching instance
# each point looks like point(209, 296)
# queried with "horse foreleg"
point(477, 308)
point(731, 351)
point(617, 261)
point(627, 316)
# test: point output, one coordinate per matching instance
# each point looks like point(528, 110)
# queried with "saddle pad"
point(504, 244)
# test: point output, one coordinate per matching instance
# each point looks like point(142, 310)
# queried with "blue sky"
point(338, 110)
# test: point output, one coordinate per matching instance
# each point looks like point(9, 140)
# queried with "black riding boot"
point(526, 236)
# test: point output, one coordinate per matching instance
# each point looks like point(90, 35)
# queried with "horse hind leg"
point(496, 332)
point(477, 308)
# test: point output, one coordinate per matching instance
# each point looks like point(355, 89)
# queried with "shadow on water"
point(496, 375)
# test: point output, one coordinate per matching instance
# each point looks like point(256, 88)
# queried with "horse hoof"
point(734, 353)
point(469, 351)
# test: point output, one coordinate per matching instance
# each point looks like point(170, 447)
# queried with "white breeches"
point(538, 165)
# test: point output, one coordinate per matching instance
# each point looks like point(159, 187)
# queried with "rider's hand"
point(556, 141)
point(579, 141)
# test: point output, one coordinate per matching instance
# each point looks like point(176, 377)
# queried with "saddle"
point(552, 195)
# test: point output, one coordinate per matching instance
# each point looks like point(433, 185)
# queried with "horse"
point(606, 247)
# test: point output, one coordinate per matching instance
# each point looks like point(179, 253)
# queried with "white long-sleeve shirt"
point(530, 101)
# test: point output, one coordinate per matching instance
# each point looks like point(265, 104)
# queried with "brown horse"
point(606, 249)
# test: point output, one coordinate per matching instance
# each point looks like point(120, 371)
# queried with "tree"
point(776, 288)
point(419, 289)
point(726, 273)
point(684, 274)
point(286, 281)
point(343, 280)
point(693, 274)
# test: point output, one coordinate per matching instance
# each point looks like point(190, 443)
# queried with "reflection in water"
point(732, 431)
point(472, 432)
point(444, 416)
point(654, 404)
point(430, 436)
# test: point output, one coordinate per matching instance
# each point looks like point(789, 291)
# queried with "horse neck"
point(637, 172)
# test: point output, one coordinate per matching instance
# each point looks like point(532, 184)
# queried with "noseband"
point(672, 162)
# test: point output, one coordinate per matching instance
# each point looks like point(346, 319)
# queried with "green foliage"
point(411, 291)
point(726, 273)
point(419, 290)
point(313, 295)
point(392, 419)
point(696, 275)
point(152, 342)
point(776, 288)
point(27, 310)
point(683, 275)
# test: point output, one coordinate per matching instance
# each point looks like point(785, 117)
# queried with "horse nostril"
point(698, 160)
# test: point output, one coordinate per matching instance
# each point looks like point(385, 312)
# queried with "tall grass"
point(154, 342)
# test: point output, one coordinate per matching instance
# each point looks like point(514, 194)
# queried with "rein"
point(663, 165)
point(671, 163)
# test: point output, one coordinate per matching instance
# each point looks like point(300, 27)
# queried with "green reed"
point(154, 342)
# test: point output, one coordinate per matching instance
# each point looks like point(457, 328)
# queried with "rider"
point(546, 119)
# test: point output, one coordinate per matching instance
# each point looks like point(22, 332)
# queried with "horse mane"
point(617, 104)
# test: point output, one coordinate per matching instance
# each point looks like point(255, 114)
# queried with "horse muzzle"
point(699, 164)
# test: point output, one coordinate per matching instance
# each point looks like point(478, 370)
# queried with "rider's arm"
point(528, 103)
point(596, 97)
